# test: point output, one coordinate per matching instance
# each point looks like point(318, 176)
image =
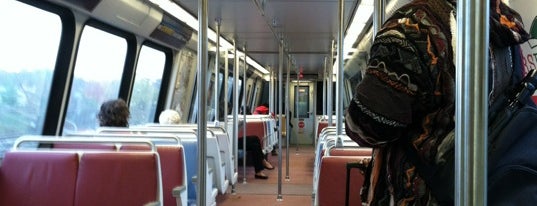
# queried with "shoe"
point(267, 165)
point(263, 177)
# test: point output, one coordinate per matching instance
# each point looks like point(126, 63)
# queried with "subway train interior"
point(214, 62)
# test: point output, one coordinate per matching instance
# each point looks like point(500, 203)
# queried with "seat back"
point(172, 163)
point(362, 151)
point(254, 128)
point(173, 171)
point(126, 178)
point(332, 181)
point(38, 178)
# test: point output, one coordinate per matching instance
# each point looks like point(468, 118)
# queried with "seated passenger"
point(253, 145)
point(114, 113)
point(169, 116)
point(262, 109)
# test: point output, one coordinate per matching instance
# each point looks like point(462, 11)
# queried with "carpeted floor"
point(296, 190)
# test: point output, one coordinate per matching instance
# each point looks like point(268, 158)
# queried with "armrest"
point(176, 192)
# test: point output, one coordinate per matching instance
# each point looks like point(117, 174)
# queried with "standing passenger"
point(405, 105)
point(114, 113)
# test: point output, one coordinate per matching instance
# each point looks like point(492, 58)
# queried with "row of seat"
point(61, 177)
point(219, 156)
point(334, 183)
point(262, 126)
point(178, 160)
point(178, 170)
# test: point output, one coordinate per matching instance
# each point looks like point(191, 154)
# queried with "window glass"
point(239, 92)
point(147, 85)
point(230, 93)
point(97, 76)
point(29, 40)
point(253, 100)
point(194, 105)
point(209, 97)
point(182, 94)
point(303, 101)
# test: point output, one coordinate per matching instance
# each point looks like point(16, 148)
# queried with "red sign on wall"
point(301, 124)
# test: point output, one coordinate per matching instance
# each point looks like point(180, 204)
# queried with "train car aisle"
point(296, 192)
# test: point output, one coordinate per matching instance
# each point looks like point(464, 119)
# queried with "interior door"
point(302, 107)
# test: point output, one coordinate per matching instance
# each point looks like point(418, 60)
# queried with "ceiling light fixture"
point(360, 18)
point(181, 14)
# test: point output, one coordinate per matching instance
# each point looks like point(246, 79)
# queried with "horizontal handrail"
point(82, 140)
point(153, 130)
point(149, 136)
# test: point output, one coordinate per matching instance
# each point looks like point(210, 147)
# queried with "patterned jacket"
point(406, 100)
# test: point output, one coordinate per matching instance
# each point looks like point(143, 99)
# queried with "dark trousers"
point(253, 146)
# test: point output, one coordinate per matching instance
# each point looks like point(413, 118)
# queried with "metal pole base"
point(233, 190)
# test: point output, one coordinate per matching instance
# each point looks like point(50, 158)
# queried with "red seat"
point(332, 181)
point(117, 179)
point(320, 126)
point(255, 128)
point(173, 171)
point(350, 151)
point(172, 164)
point(44, 178)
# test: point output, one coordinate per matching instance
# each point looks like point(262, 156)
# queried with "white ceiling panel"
point(307, 27)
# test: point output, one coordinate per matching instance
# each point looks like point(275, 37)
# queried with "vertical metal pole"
point(280, 84)
point(287, 120)
point(325, 84)
point(271, 106)
point(472, 113)
point(339, 87)
point(216, 76)
point(297, 99)
point(226, 88)
point(235, 108)
point(378, 16)
point(202, 101)
point(272, 92)
point(244, 78)
point(330, 106)
point(226, 109)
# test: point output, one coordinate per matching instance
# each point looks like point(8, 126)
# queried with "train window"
point(194, 108)
point(209, 97)
point(97, 76)
point(147, 85)
point(220, 87)
point(30, 41)
point(303, 102)
point(254, 100)
point(248, 97)
point(184, 82)
point(211, 104)
point(230, 92)
point(239, 91)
